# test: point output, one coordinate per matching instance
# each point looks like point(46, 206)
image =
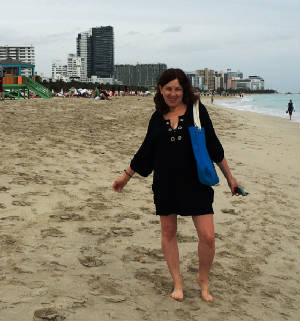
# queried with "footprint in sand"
point(20, 203)
point(53, 266)
point(161, 283)
point(230, 211)
point(54, 232)
point(101, 232)
point(49, 314)
point(67, 217)
point(154, 222)
point(97, 206)
point(7, 243)
point(142, 254)
point(2, 206)
point(132, 216)
point(4, 189)
point(122, 231)
point(90, 261)
point(11, 218)
point(219, 236)
point(104, 285)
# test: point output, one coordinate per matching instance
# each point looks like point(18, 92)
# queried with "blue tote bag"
point(206, 171)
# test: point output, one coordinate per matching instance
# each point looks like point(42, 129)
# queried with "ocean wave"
point(267, 104)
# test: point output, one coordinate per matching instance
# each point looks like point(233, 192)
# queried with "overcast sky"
point(257, 37)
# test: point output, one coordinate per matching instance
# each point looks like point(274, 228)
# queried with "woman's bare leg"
point(170, 249)
point(206, 250)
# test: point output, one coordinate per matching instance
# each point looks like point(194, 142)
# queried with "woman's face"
point(172, 93)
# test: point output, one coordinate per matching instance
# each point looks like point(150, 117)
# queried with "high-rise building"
point(20, 53)
point(209, 78)
point(232, 75)
point(235, 74)
point(139, 75)
point(196, 80)
point(102, 52)
point(219, 81)
point(96, 47)
point(84, 50)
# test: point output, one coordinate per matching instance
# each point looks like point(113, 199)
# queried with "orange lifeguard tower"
point(17, 86)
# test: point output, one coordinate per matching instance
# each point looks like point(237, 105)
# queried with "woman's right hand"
point(119, 183)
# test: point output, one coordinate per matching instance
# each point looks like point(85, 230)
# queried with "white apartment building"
point(74, 66)
point(59, 70)
point(21, 53)
point(83, 43)
point(257, 83)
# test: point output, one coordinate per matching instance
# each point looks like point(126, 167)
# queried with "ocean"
point(268, 104)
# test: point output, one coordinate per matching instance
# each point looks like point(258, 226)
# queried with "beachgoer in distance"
point(96, 92)
point(290, 109)
point(167, 151)
point(2, 74)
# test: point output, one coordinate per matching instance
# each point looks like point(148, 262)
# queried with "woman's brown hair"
point(189, 96)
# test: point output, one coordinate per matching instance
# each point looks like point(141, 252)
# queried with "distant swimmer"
point(290, 109)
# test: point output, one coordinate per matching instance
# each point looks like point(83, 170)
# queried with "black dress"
point(168, 152)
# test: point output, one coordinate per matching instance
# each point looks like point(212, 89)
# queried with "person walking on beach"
point(290, 109)
point(2, 74)
point(167, 151)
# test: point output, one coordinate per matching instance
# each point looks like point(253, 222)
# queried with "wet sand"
point(71, 248)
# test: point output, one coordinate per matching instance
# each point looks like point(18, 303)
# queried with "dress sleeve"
point(143, 160)
point(214, 147)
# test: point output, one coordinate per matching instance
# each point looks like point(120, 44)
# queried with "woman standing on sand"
point(167, 151)
point(290, 109)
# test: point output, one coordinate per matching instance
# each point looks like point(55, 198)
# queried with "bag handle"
point(196, 115)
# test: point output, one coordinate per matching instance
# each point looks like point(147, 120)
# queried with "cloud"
point(132, 33)
point(173, 29)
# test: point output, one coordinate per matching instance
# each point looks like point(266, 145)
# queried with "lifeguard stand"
point(17, 86)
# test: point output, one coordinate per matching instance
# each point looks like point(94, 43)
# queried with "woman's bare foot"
point(204, 289)
point(177, 294)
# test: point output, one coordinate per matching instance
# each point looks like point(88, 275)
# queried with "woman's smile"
point(172, 93)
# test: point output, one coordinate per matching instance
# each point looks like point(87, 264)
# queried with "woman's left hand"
point(232, 183)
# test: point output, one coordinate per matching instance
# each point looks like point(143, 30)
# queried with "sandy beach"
point(73, 249)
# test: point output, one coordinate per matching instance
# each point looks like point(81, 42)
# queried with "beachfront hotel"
point(20, 53)
point(211, 80)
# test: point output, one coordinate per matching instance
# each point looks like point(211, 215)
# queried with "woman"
point(290, 109)
point(167, 151)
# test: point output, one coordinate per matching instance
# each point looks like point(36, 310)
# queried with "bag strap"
point(196, 115)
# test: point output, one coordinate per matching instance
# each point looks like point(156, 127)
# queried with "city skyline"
point(259, 38)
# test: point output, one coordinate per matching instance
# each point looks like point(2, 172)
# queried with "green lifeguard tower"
point(17, 86)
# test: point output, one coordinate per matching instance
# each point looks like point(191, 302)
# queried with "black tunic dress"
point(168, 152)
